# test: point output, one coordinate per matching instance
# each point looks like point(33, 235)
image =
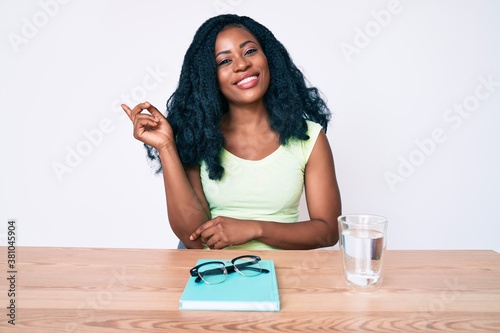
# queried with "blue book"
point(236, 293)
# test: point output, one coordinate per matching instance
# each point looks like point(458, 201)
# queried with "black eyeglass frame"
point(229, 269)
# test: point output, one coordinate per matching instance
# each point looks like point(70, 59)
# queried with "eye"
point(223, 62)
point(250, 51)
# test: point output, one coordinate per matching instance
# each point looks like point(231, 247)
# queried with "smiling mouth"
point(246, 80)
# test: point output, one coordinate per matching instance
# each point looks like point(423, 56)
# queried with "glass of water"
point(363, 239)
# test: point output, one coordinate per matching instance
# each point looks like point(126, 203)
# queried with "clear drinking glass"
point(363, 239)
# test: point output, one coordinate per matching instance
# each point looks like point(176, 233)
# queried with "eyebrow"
point(241, 45)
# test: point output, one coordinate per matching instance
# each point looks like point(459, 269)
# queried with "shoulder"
point(302, 149)
point(313, 129)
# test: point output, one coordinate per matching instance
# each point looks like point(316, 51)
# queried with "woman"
point(242, 139)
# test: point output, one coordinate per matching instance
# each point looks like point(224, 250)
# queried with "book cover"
point(236, 293)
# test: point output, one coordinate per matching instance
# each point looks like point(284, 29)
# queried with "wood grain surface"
point(137, 290)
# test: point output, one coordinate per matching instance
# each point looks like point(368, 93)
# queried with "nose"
point(240, 64)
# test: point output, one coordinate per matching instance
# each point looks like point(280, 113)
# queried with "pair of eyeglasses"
point(213, 272)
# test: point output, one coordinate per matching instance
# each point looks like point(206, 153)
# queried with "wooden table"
point(135, 290)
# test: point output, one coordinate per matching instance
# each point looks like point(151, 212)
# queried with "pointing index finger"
point(141, 107)
point(127, 110)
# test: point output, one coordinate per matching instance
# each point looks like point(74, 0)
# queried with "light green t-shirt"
point(267, 190)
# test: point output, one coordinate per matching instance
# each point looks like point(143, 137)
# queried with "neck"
point(248, 116)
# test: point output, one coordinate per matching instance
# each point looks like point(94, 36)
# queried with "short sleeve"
point(313, 130)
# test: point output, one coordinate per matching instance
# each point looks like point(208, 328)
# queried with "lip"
point(247, 84)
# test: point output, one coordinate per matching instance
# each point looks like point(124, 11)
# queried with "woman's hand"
point(221, 232)
point(151, 128)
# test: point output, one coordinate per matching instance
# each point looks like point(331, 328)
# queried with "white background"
point(66, 66)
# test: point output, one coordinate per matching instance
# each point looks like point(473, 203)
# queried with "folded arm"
point(323, 203)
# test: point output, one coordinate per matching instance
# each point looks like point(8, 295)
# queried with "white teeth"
point(245, 80)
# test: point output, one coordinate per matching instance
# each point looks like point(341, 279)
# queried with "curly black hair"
point(196, 107)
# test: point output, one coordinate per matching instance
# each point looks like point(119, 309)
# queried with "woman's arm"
point(323, 203)
point(187, 207)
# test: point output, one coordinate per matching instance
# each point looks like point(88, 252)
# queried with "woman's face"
point(242, 70)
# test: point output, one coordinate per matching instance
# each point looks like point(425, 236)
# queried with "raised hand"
point(150, 127)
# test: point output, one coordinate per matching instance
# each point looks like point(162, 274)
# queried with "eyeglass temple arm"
point(244, 266)
point(231, 269)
